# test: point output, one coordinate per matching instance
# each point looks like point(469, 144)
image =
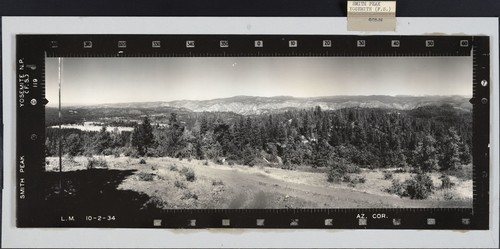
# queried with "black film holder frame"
point(32, 51)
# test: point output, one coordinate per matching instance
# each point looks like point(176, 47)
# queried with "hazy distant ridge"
point(250, 105)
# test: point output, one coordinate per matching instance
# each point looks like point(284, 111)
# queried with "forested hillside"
point(428, 137)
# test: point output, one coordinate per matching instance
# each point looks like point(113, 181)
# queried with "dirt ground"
point(174, 183)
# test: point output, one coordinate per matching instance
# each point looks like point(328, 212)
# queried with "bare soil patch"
point(183, 184)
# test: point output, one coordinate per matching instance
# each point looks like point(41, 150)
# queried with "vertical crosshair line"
point(474, 122)
point(59, 66)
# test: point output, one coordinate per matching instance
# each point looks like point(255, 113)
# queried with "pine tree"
point(250, 133)
point(73, 145)
point(426, 154)
point(321, 153)
point(198, 147)
point(174, 131)
point(103, 141)
point(210, 148)
point(358, 137)
point(203, 126)
point(450, 151)
point(147, 133)
point(317, 112)
point(248, 156)
point(223, 136)
point(337, 168)
point(281, 136)
point(88, 140)
point(240, 133)
point(138, 141)
point(142, 137)
point(397, 157)
point(465, 154)
point(50, 147)
point(305, 129)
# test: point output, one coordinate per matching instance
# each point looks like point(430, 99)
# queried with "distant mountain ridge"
point(253, 105)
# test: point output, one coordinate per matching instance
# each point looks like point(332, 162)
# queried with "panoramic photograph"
point(259, 132)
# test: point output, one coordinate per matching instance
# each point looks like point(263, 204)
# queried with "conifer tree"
point(142, 137)
point(465, 154)
point(103, 141)
point(426, 154)
point(73, 145)
point(450, 151)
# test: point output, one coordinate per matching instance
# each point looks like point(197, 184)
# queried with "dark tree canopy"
point(142, 137)
point(427, 138)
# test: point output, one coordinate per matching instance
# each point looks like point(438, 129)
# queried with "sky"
point(88, 81)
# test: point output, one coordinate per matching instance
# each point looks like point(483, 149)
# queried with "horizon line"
point(253, 96)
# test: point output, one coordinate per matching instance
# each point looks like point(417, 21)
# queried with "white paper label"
point(371, 15)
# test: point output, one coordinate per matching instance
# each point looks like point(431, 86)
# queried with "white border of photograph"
point(85, 237)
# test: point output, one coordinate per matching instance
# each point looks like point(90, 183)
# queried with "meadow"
point(171, 183)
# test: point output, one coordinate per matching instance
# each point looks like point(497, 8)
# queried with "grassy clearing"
point(173, 183)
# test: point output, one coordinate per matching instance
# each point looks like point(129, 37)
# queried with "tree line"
point(428, 138)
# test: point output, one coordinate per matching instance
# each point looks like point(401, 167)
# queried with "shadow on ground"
point(94, 192)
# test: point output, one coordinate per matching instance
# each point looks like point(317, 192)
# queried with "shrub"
point(361, 179)
point(446, 182)
point(179, 184)
point(248, 162)
point(188, 195)
point(134, 153)
point(189, 174)
point(346, 178)
point(153, 203)
point(448, 195)
point(334, 175)
point(396, 188)
point(352, 185)
point(142, 161)
point(353, 180)
point(127, 152)
point(147, 177)
point(287, 166)
point(173, 167)
point(107, 152)
point(339, 168)
point(248, 157)
point(417, 171)
point(88, 153)
point(419, 186)
point(153, 153)
point(93, 163)
point(116, 153)
point(387, 175)
point(352, 169)
point(217, 182)
point(183, 170)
